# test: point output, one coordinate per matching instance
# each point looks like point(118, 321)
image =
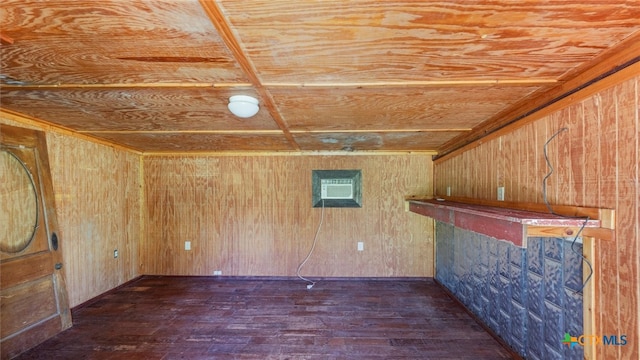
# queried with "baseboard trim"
point(289, 278)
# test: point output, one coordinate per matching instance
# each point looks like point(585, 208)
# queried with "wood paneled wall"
point(595, 165)
point(97, 193)
point(252, 216)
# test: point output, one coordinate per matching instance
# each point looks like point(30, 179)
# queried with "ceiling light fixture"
point(243, 106)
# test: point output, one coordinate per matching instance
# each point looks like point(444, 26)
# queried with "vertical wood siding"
point(97, 194)
point(596, 165)
point(252, 216)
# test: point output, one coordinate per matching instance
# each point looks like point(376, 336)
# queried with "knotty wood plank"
point(540, 136)
point(509, 156)
point(563, 161)
point(529, 173)
point(607, 320)
point(589, 293)
point(627, 199)
point(496, 180)
point(546, 131)
point(606, 158)
point(486, 187)
point(608, 300)
point(578, 153)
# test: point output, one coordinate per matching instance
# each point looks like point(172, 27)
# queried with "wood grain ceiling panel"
point(134, 109)
point(357, 141)
point(156, 75)
point(366, 40)
point(113, 42)
point(454, 108)
point(198, 142)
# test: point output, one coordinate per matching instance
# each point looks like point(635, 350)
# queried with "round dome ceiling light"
point(243, 106)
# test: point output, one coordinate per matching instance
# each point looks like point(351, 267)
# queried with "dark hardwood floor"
point(218, 318)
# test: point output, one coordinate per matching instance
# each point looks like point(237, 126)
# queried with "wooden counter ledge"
point(513, 225)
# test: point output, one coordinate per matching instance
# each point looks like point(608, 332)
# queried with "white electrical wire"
point(546, 202)
point(315, 240)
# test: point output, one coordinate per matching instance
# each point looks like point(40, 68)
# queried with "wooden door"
point(33, 297)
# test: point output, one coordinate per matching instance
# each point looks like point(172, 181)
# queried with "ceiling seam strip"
point(290, 153)
point(125, 86)
point(270, 131)
point(179, 131)
point(425, 83)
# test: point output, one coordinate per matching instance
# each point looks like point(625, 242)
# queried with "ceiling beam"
point(224, 29)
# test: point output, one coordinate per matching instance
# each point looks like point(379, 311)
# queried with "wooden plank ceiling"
point(156, 75)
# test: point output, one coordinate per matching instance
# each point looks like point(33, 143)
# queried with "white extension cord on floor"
point(315, 240)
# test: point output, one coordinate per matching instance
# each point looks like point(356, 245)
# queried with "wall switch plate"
point(187, 245)
point(500, 193)
point(360, 246)
point(217, 272)
point(448, 190)
point(115, 253)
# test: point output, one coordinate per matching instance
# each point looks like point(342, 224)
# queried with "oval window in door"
point(18, 204)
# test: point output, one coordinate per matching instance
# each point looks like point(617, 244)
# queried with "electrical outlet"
point(448, 190)
point(217, 272)
point(500, 193)
point(187, 245)
point(115, 253)
point(360, 246)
